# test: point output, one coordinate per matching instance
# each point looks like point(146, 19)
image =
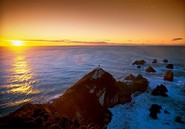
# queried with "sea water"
point(41, 74)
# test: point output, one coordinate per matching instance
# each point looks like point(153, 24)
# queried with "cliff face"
point(86, 104)
point(89, 97)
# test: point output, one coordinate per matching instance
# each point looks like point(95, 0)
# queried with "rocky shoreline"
point(87, 104)
point(83, 106)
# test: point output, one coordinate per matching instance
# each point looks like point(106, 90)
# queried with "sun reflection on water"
point(22, 80)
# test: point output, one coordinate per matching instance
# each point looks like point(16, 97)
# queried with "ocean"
point(41, 74)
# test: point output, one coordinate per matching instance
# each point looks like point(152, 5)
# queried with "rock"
point(168, 75)
point(178, 119)
point(32, 116)
point(165, 60)
point(154, 61)
point(150, 69)
point(154, 110)
point(139, 83)
point(169, 66)
point(167, 112)
point(139, 62)
point(84, 105)
point(138, 66)
point(129, 77)
point(160, 90)
point(90, 98)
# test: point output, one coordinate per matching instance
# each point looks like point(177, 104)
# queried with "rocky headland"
point(85, 105)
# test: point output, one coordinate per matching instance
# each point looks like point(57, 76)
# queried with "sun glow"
point(17, 43)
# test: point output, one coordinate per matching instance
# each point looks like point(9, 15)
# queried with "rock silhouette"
point(169, 66)
point(154, 110)
point(178, 119)
point(165, 60)
point(160, 90)
point(154, 61)
point(139, 62)
point(138, 66)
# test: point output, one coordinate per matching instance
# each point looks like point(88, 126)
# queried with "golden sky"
point(98, 22)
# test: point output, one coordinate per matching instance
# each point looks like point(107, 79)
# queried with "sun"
point(17, 43)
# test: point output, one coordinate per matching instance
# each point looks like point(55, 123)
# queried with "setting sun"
point(17, 43)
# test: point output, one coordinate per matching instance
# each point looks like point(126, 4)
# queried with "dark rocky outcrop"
point(129, 77)
point(150, 69)
point(89, 97)
point(37, 116)
point(169, 66)
point(168, 75)
point(139, 83)
point(154, 110)
point(154, 61)
point(139, 62)
point(84, 105)
point(138, 66)
point(167, 112)
point(165, 60)
point(178, 119)
point(160, 90)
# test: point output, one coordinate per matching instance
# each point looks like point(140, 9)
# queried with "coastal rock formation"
point(178, 119)
point(37, 116)
point(165, 60)
point(154, 110)
point(139, 83)
point(168, 75)
point(154, 61)
point(139, 62)
point(89, 97)
point(160, 90)
point(129, 77)
point(138, 66)
point(84, 105)
point(169, 66)
point(150, 69)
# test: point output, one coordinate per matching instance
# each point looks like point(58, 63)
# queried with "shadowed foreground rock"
point(84, 105)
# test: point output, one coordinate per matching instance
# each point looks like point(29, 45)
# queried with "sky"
point(92, 22)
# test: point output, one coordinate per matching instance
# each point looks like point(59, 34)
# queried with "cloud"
point(176, 39)
point(93, 43)
point(43, 40)
point(71, 42)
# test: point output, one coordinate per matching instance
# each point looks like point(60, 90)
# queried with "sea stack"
point(150, 69)
point(165, 60)
point(168, 75)
point(160, 90)
point(154, 61)
point(139, 62)
point(169, 66)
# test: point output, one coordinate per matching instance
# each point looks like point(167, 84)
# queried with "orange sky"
point(98, 22)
